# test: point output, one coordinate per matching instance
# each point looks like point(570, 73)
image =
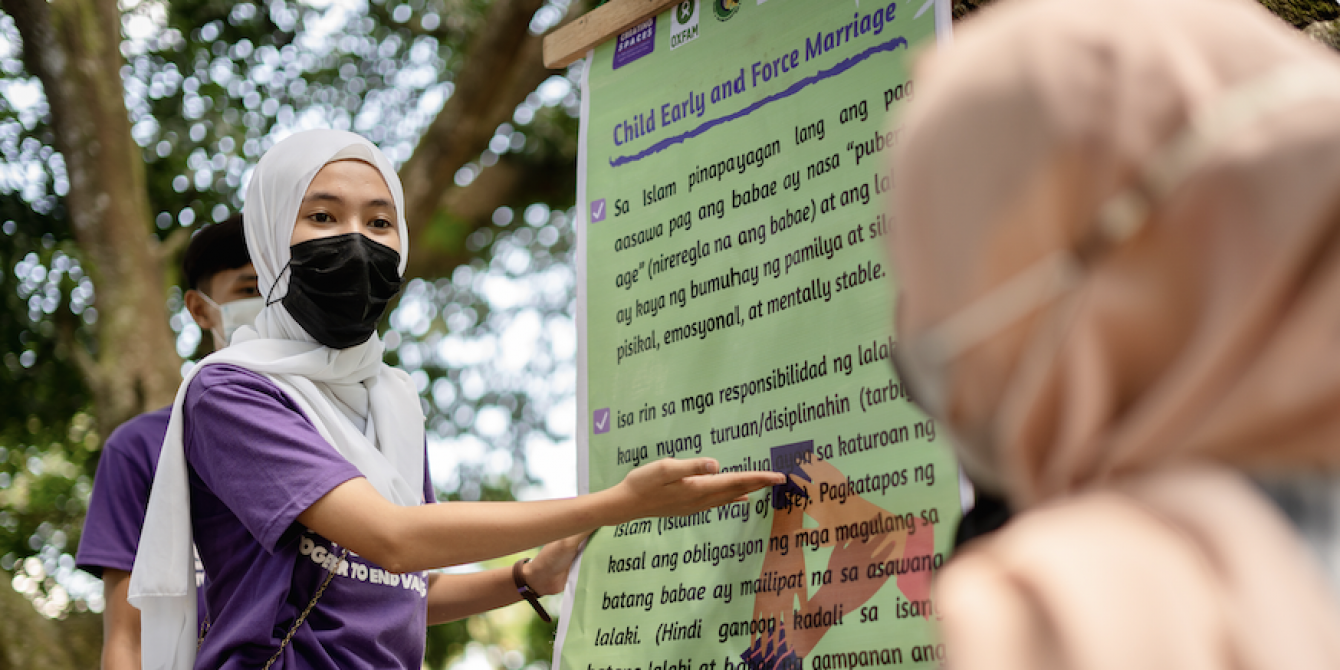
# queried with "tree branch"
point(463, 128)
point(502, 67)
point(173, 244)
point(73, 48)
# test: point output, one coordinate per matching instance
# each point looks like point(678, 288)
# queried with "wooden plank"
point(565, 45)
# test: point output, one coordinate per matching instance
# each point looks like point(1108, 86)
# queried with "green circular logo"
point(684, 12)
point(724, 9)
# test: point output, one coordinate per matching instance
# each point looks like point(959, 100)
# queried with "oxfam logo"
point(685, 11)
point(725, 9)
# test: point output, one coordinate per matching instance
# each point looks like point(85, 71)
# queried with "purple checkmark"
point(597, 215)
point(600, 419)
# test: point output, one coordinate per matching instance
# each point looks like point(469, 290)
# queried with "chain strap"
point(204, 628)
point(308, 610)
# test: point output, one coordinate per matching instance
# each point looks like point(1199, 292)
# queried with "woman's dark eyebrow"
point(331, 197)
point(321, 195)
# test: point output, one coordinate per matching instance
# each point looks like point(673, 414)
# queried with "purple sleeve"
point(255, 450)
point(121, 494)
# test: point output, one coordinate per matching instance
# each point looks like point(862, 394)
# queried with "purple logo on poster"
point(787, 459)
point(600, 421)
point(635, 43)
point(598, 210)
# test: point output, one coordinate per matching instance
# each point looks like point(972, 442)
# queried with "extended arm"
point(120, 624)
point(452, 597)
point(407, 539)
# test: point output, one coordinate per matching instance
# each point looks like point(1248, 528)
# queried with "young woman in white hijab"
point(296, 459)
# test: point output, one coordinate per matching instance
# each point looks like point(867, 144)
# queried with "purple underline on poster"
point(789, 91)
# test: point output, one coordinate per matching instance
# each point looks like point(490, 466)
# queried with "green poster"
point(736, 303)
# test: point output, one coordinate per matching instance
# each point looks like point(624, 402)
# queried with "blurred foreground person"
point(1118, 242)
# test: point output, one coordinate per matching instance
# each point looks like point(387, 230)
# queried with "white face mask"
point(234, 315)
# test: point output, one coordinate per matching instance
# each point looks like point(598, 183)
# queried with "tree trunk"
point(30, 640)
point(461, 129)
point(73, 46)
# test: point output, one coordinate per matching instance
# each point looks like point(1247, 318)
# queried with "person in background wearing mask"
point(221, 297)
point(1118, 246)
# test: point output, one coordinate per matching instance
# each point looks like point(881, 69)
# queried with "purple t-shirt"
point(121, 497)
point(121, 494)
point(256, 463)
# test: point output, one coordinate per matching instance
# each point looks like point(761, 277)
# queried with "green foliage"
point(1302, 13)
point(490, 346)
point(447, 642)
point(539, 640)
point(47, 443)
point(214, 85)
point(209, 86)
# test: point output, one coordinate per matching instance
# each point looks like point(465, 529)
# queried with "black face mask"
point(339, 286)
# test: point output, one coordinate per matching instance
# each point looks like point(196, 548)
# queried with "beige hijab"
point(1120, 416)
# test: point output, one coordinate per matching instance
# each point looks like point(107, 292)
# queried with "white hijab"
point(367, 411)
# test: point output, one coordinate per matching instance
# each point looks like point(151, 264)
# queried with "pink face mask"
point(922, 363)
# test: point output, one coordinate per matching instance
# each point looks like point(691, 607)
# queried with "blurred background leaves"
point(453, 89)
